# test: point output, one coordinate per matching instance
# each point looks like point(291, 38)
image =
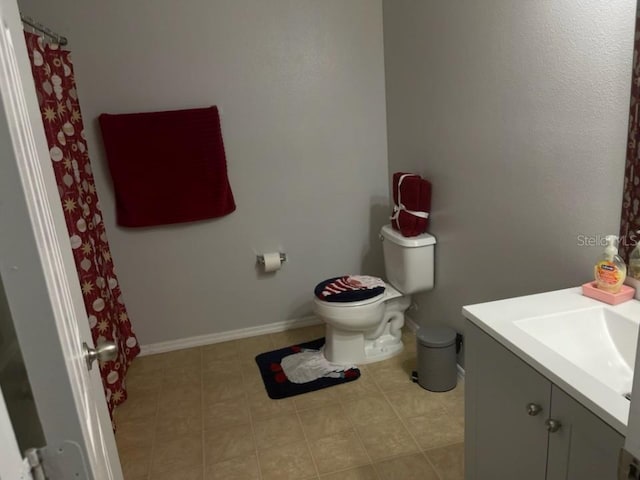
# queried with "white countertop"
point(498, 320)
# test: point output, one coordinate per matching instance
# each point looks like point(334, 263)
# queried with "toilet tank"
point(408, 261)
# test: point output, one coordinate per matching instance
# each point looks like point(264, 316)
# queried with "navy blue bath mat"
point(276, 382)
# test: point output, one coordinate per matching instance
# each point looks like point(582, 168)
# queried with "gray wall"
point(301, 88)
point(517, 112)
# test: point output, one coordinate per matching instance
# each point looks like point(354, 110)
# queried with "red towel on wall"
point(167, 167)
point(412, 199)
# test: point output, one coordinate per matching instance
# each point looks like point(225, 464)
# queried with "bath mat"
point(278, 385)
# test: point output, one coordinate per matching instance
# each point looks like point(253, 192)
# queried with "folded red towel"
point(412, 199)
point(167, 167)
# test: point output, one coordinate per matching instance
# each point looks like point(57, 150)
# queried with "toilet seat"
point(350, 289)
point(360, 303)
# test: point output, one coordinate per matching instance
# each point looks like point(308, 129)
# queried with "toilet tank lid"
point(396, 237)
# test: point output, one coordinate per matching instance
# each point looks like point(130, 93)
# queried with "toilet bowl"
point(365, 331)
point(370, 330)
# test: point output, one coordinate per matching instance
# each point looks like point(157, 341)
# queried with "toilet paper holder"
point(260, 258)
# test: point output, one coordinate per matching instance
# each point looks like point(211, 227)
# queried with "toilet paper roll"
point(272, 262)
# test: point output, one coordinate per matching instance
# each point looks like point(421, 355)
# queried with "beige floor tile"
point(228, 443)
point(277, 431)
point(176, 452)
point(386, 440)
point(220, 350)
point(365, 472)
point(253, 382)
point(414, 401)
point(338, 452)
point(249, 367)
point(324, 421)
point(181, 377)
point(261, 406)
point(411, 467)
point(191, 388)
point(136, 408)
point(217, 388)
point(288, 462)
point(431, 431)
point(175, 403)
point(448, 461)
point(190, 358)
point(456, 410)
point(143, 384)
point(192, 473)
point(248, 348)
point(319, 398)
point(455, 395)
point(147, 364)
point(239, 468)
point(393, 373)
point(454, 400)
point(171, 395)
point(409, 340)
point(367, 410)
point(136, 433)
point(361, 387)
point(135, 462)
point(179, 423)
point(222, 366)
point(226, 413)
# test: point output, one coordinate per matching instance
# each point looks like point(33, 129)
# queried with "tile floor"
point(203, 414)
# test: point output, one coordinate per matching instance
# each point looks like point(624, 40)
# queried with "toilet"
point(368, 327)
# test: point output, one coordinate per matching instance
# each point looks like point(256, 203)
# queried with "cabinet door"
point(584, 446)
point(502, 441)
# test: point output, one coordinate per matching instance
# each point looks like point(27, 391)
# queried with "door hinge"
point(64, 462)
point(628, 466)
point(33, 465)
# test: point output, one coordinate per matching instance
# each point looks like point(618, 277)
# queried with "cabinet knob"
point(533, 409)
point(552, 425)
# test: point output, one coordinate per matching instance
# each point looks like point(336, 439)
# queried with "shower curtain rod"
point(59, 39)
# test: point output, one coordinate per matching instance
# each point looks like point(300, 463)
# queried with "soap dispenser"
point(610, 271)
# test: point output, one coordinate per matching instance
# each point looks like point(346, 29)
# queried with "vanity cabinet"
point(521, 426)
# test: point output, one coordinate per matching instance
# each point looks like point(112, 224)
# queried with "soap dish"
point(626, 293)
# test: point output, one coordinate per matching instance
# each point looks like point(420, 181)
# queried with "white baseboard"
point(460, 371)
point(211, 338)
point(411, 324)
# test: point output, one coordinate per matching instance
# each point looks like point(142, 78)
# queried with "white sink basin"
point(597, 340)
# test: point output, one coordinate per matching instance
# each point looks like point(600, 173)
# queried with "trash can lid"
point(436, 336)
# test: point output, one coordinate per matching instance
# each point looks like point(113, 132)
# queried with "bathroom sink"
point(598, 340)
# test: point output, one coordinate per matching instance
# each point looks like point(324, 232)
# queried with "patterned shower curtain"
point(55, 85)
point(630, 218)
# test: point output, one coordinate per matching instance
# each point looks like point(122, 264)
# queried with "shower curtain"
point(630, 217)
point(55, 86)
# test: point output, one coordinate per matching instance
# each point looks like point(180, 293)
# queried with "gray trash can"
point(437, 370)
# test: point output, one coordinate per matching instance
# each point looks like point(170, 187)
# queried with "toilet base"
point(351, 348)
point(381, 340)
point(382, 348)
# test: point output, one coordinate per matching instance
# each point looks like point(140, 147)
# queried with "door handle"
point(104, 352)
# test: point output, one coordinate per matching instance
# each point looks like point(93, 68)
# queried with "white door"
point(39, 279)
point(631, 453)
point(11, 464)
